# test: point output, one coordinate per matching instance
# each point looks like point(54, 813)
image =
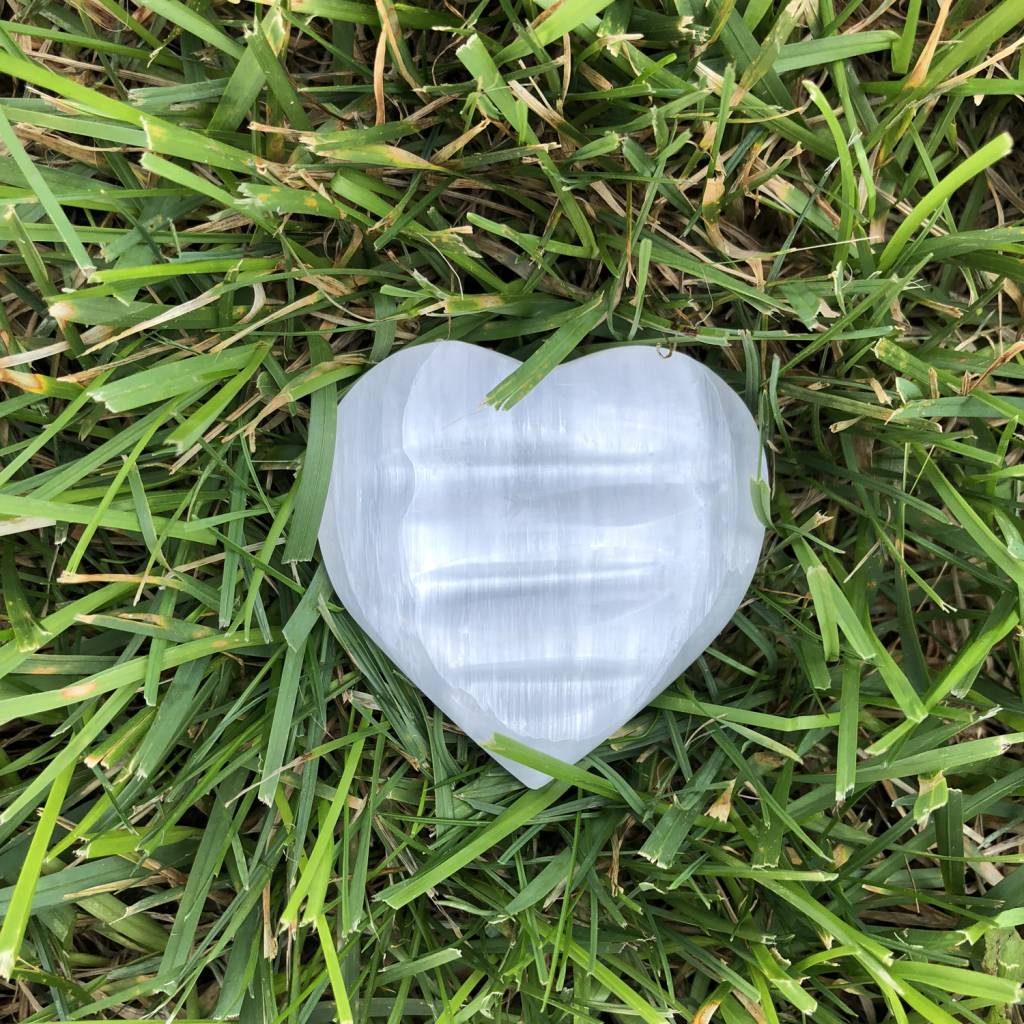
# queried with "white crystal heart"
point(542, 572)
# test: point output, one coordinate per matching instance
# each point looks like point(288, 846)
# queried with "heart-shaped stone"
point(542, 572)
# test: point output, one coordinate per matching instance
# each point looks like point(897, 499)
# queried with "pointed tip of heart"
point(535, 764)
point(529, 777)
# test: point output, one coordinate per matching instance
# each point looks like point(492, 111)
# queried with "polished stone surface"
point(542, 572)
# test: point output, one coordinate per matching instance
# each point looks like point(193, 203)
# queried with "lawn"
point(218, 800)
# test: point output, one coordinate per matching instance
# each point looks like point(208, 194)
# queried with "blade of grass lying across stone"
point(524, 378)
point(218, 799)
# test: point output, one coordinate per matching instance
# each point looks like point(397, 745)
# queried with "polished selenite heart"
point(542, 572)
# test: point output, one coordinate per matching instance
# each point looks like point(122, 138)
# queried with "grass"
point(217, 799)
